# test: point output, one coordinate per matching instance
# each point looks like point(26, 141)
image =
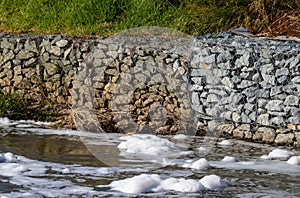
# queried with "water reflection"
point(50, 148)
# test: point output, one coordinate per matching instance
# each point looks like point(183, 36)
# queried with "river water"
point(62, 163)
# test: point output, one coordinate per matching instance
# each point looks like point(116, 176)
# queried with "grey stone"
point(224, 101)
point(250, 107)
point(213, 125)
point(30, 45)
point(269, 79)
point(226, 65)
point(50, 69)
point(294, 120)
point(256, 78)
point(196, 88)
point(112, 54)
point(212, 80)
point(244, 60)
point(294, 61)
point(158, 78)
point(236, 79)
point(220, 72)
point(6, 44)
point(227, 82)
point(263, 119)
point(203, 94)
point(99, 54)
point(209, 59)
point(282, 79)
point(176, 65)
point(9, 56)
point(218, 92)
point(226, 115)
point(263, 93)
point(261, 111)
point(276, 90)
point(55, 50)
point(245, 118)
point(30, 62)
point(279, 121)
point(291, 100)
point(224, 56)
point(198, 108)
point(201, 72)
point(250, 92)
point(198, 80)
point(245, 83)
point(61, 43)
point(236, 117)
point(236, 98)
point(25, 54)
point(277, 113)
point(253, 116)
point(280, 97)
point(266, 69)
point(296, 79)
point(282, 72)
point(212, 98)
point(195, 99)
point(275, 105)
point(214, 112)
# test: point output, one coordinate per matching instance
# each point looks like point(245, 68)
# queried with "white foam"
point(266, 157)
point(180, 137)
point(202, 149)
point(280, 153)
point(146, 145)
point(6, 122)
point(225, 143)
point(66, 171)
point(201, 164)
point(294, 160)
point(8, 157)
point(32, 175)
point(138, 184)
point(229, 159)
point(12, 169)
point(181, 185)
point(146, 183)
point(272, 166)
point(213, 182)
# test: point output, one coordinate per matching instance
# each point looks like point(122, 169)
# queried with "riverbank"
point(234, 85)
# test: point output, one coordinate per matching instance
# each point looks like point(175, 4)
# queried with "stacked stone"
point(246, 87)
point(130, 84)
point(19, 69)
point(41, 68)
point(252, 83)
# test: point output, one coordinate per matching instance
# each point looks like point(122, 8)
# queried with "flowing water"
point(59, 163)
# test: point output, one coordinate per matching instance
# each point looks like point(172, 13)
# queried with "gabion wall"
point(242, 87)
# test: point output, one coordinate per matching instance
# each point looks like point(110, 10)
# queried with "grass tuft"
point(107, 17)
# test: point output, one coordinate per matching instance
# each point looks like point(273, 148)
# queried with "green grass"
point(12, 106)
point(107, 17)
point(15, 107)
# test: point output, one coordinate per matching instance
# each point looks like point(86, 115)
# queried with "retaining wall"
point(246, 88)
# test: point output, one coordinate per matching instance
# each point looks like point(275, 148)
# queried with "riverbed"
point(41, 162)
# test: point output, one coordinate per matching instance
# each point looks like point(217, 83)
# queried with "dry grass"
point(274, 17)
